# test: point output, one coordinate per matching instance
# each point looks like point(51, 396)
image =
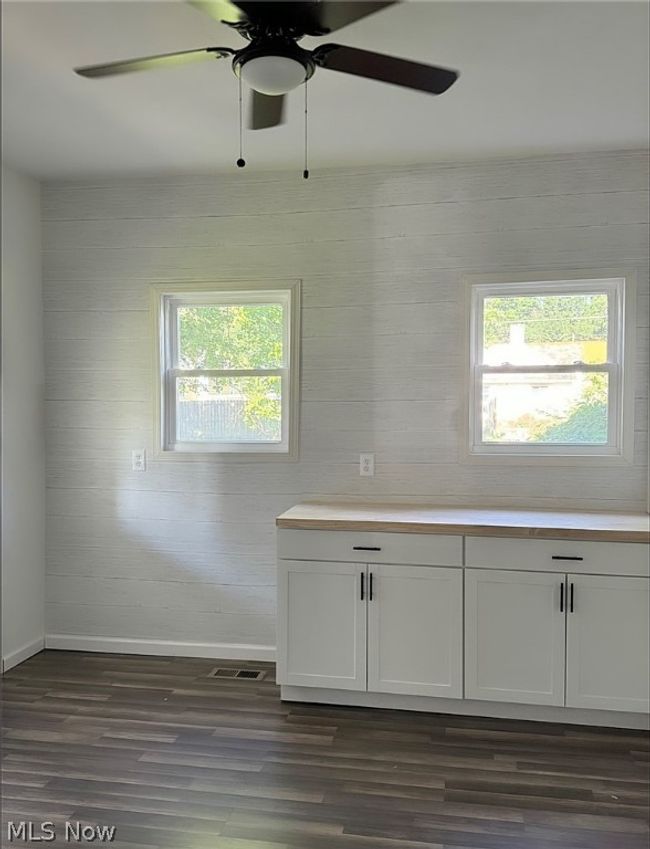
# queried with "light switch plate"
point(367, 465)
point(139, 460)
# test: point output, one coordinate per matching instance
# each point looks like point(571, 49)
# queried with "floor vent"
point(247, 674)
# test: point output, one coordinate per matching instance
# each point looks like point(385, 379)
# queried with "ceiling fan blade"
point(298, 15)
point(387, 69)
point(219, 10)
point(147, 63)
point(333, 14)
point(266, 111)
point(311, 17)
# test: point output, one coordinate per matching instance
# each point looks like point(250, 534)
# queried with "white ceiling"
point(535, 78)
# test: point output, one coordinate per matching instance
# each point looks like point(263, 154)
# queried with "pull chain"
point(241, 161)
point(305, 173)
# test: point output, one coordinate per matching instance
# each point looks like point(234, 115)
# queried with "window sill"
point(227, 456)
point(517, 458)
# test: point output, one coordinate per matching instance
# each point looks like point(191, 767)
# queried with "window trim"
point(621, 290)
point(166, 299)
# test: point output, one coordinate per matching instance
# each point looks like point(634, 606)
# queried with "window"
point(228, 370)
point(547, 368)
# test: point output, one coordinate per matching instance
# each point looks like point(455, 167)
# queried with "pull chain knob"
point(305, 173)
point(241, 162)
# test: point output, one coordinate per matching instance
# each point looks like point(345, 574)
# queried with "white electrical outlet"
point(139, 460)
point(367, 465)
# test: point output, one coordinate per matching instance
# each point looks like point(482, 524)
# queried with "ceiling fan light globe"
point(273, 75)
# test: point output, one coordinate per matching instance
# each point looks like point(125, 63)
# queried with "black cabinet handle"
point(571, 598)
point(370, 587)
point(362, 586)
point(562, 597)
point(366, 548)
point(562, 557)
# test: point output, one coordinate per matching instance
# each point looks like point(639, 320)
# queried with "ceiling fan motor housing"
point(272, 63)
point(273, 68)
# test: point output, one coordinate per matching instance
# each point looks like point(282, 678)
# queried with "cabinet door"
point(322, 624)
point(415, 637)
point(514, 637)
point(607, 648)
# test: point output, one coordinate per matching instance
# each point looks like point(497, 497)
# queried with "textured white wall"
point(185, 551)
point(23, 443)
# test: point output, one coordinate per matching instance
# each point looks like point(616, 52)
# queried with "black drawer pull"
point(366, 548)
point(370, 587)
point(570, 598)
point(362, 586)
point(562, 557)
point(562, 597)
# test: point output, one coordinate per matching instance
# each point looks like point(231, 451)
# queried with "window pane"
point(545, 330)
point(545, 408)
point(224, 336)
point(223, 409)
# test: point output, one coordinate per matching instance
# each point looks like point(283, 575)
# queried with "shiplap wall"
point(185, 551)
point(22, 463)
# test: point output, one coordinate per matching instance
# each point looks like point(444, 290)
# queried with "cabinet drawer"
point(369, 547)
point(577, 557)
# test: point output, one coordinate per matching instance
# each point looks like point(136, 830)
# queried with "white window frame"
point(621, 292)
point(166, 302)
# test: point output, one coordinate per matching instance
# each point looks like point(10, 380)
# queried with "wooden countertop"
point(424, 519)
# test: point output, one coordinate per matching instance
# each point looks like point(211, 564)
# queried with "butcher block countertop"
point(424, 519)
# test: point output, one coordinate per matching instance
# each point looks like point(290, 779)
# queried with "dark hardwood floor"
point(174, 758)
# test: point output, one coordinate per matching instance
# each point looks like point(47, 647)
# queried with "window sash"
point(262, 298)
point(227, 372)
point(171, 371)
point(240, 445)
point(611, 288)
point(614, 290)
point(482, 446)
point(506, 368)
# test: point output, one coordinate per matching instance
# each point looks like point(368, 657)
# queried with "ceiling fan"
point(272, 63)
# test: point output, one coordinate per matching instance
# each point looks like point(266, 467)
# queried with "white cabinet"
point(352, 546)
point(518, 625)
point(547, 555)
point(322, 624)
point(415, 637)
point(405, 620)
point(514, 636)
point(607, 643)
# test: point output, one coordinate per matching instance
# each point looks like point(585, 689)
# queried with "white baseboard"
point(24, 653)
point(467, 707)
point(169, 648)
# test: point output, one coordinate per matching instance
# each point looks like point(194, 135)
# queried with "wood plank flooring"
point(176, 759)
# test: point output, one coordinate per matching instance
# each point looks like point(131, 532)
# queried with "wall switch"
point(367, 465)
point(139, 460)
